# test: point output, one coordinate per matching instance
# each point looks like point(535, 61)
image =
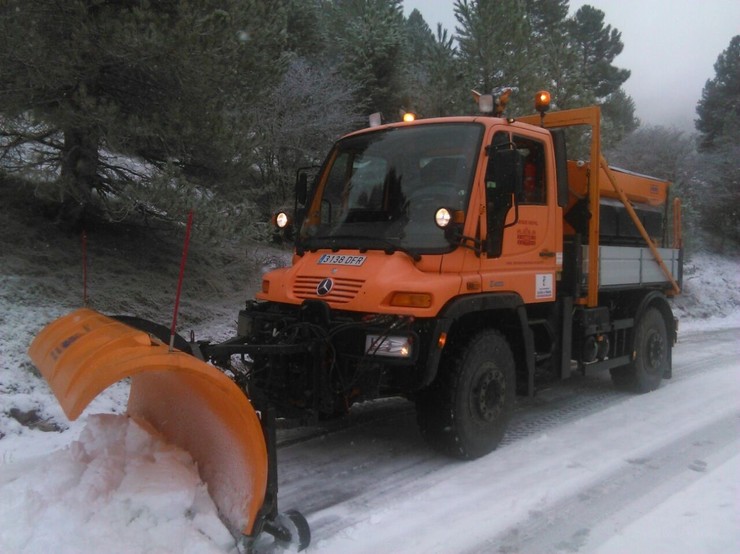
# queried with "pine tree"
point(419, 37)
point(597, 46)
point(433, 75)
point(719, 125)
point(719, 107)
point(556, 57)
point(443, 95)
point(306, 28)
point(530, 45)
point(495, 47)
point(127, 101)
point(368, 47)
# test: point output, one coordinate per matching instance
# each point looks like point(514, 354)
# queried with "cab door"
point(531, 246)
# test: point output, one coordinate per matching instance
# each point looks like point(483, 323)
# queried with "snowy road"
point(582, 469)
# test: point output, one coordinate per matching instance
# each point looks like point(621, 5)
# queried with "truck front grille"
point(342, 291)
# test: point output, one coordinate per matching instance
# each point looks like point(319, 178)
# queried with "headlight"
point(281, 220)
point(442, 217)
point(393, 347)
point(445, 217)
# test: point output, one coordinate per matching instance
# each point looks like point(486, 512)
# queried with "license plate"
point(341, 259)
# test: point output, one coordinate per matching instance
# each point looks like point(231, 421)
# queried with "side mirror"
point(507, 172)
point(301, 188)
point(504, 182)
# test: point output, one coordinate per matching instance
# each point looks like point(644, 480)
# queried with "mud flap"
point(191, 403)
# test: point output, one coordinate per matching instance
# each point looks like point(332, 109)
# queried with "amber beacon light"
point(542, 101)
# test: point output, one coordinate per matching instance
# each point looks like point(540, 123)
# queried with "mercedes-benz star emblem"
point(324, 287)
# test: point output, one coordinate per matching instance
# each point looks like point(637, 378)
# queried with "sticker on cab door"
point(543, 286)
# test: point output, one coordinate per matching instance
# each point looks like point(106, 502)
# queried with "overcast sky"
point(669, 45)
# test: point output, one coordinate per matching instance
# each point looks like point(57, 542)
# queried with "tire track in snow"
point(569, 400)
point(592, 515)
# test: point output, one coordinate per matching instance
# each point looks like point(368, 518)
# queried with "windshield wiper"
point(388, 247)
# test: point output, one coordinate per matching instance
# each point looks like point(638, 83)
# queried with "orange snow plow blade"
point(191, 403)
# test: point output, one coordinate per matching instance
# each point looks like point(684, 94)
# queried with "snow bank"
point(118, 487)
point(711, 289)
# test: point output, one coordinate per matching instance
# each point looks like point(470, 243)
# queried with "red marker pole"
point(180, 278)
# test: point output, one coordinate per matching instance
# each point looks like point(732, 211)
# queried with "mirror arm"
point(516, 213)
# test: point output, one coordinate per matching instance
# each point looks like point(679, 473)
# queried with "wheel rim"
point(654, 352)
point(488, 395)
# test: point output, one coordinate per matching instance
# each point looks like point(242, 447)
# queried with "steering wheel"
point(444, 193)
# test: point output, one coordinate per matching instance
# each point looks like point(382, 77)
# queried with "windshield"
point(381, 190)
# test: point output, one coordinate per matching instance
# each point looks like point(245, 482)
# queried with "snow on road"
point(570, 487)
point(584, 469)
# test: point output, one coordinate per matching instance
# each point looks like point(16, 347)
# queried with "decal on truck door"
point(543, 286)
point(526, 237)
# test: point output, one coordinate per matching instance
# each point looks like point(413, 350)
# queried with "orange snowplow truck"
point(454, 261)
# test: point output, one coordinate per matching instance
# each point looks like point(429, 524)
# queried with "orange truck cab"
point(460, 261)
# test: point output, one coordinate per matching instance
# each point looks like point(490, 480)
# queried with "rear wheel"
point(464, 413)
point(651, 349)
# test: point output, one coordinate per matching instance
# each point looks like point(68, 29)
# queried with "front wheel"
point(651, 355)
point(464, 413)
